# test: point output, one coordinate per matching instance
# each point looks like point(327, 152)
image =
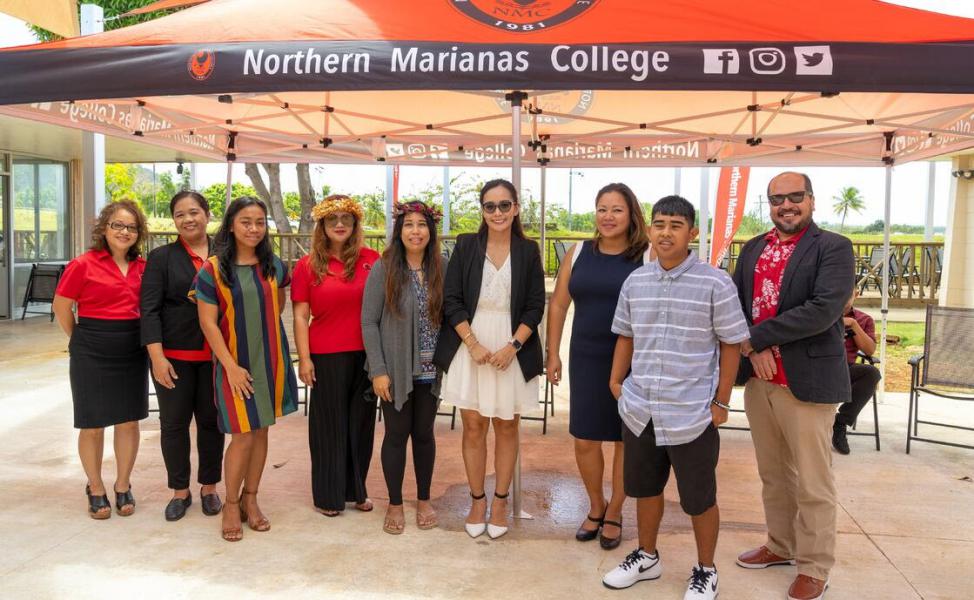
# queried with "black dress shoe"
point(176, 509)
point(587, 535)
point(605, 541)
point(211, 504)
point(839, 440)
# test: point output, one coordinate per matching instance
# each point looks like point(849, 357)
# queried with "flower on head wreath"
point(415, 206)
point(338, 203)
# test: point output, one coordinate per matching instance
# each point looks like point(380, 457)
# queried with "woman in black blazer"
point(182, 365)
point(493, 301)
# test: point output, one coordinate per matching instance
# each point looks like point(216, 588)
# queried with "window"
point(41, 226)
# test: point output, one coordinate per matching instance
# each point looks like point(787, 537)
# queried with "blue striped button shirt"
point(677, 319)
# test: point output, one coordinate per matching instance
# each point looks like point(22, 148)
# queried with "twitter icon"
point(813, 60)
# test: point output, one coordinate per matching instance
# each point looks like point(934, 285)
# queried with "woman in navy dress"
point(591, 275)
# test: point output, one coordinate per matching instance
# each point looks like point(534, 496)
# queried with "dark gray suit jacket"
point(817, 282)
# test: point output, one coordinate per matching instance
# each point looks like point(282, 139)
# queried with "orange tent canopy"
point(607, 82)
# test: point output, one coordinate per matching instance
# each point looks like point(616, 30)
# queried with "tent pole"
point(704, 228)
point(516, 98)
point(544, 223)
point(446, 200)
point(885, 306)
point(229, 184)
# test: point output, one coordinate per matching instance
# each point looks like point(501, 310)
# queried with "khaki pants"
point(793, 445)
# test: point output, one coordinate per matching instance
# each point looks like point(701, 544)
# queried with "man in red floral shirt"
point(793, 283)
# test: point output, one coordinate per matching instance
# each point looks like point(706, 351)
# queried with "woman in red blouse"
point(326, 290)
point(109, 366)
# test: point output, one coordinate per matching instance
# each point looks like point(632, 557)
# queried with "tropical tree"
point(849, 199)
point(216, 196)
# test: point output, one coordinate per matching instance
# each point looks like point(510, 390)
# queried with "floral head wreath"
point(415, 206)
point(338, 203)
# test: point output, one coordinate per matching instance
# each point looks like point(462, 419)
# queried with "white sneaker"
point(702, 584)
point(637, 566)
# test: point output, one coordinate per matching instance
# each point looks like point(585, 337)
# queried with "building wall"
point(957, 281)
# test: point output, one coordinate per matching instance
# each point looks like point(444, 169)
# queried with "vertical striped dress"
point(249, 319)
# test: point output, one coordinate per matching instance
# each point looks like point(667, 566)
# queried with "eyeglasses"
point(504, 206)
point(793, 197)
point(345, 219)
point(118, 226)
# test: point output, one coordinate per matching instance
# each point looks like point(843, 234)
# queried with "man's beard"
point(792, 229)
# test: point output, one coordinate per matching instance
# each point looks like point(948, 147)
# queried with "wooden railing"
point(914, 268)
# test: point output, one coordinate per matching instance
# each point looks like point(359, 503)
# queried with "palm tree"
point(849, 199)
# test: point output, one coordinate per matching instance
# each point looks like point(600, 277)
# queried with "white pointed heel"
point(496, 531)
point(476, 530)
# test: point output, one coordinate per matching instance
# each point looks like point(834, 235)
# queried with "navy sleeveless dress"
point(594, 286)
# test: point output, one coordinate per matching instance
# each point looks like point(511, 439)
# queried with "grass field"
point(910, 343)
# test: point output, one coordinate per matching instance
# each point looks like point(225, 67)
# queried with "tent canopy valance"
point(608, 82)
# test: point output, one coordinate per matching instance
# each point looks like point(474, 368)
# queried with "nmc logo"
point(523, 16)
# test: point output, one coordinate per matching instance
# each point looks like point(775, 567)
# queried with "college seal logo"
point(564, 103)
point(523, 16)
point(201, 64)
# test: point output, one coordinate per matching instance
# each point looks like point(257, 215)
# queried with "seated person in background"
point(860, 336)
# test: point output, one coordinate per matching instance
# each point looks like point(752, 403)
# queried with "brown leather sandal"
point(263, 524)
point(234, 534)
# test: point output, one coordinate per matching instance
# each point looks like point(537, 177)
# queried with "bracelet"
point(466, 337)
point(720, 404)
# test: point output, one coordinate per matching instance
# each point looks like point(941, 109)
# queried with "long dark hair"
point(516, 228)
point(397, 269)
point(225, 244)
point(637, 240)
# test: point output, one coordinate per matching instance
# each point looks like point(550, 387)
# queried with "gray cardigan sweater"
point(392, 342)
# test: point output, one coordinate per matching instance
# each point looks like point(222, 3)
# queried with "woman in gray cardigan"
point(401, 314)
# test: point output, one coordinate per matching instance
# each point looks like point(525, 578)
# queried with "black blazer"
point(461, 291)
point(168, 316)
point(817, 282)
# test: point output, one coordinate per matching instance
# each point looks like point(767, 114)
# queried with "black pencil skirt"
point(341, 426)
point(109, 372)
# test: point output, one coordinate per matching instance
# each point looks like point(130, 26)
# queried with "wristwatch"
point(517, 344)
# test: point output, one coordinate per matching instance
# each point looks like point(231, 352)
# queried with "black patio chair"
point(41, 286)
point(944, 370)
point(446, 248)
point(561, 249)
point(865, 358)
point(936, 262)
point(872, 273)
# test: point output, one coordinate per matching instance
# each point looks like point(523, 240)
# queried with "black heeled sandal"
point(606, 542)
point(97, 505)
point(123, 500)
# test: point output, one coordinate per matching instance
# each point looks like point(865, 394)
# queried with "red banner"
point(731, 193)
point(395, 184)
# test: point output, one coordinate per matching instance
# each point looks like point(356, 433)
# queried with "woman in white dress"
point(493, 301)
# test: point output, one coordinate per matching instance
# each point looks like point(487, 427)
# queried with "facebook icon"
point(721, 61)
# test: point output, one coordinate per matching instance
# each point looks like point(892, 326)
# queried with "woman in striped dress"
point(239, 294)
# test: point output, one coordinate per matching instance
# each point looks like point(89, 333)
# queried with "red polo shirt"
point(868, 326)
point(768, 275)
point(204, 354)
point(336, 304)
point(95, 282)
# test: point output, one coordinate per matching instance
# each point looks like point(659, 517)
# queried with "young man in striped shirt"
point(680, 325)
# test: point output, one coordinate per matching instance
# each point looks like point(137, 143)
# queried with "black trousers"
point(341, 425)
point(865, 378)
point(414, 420)
point(192, 397)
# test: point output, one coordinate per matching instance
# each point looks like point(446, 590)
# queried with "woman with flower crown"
point(326, 293)
point(401, 316)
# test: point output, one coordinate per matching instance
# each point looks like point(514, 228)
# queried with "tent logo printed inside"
point(523, 16)
point(201, 64)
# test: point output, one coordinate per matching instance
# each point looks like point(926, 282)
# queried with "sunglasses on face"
point(346, 220)
point(793, 197)
point(117, 226)
point(504, 206)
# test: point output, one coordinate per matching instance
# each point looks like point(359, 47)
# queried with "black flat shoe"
point(176, 509)
point(587, 535)
point(608, 543)
point(125, 502)
point(211, 504)
point(97, 505)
